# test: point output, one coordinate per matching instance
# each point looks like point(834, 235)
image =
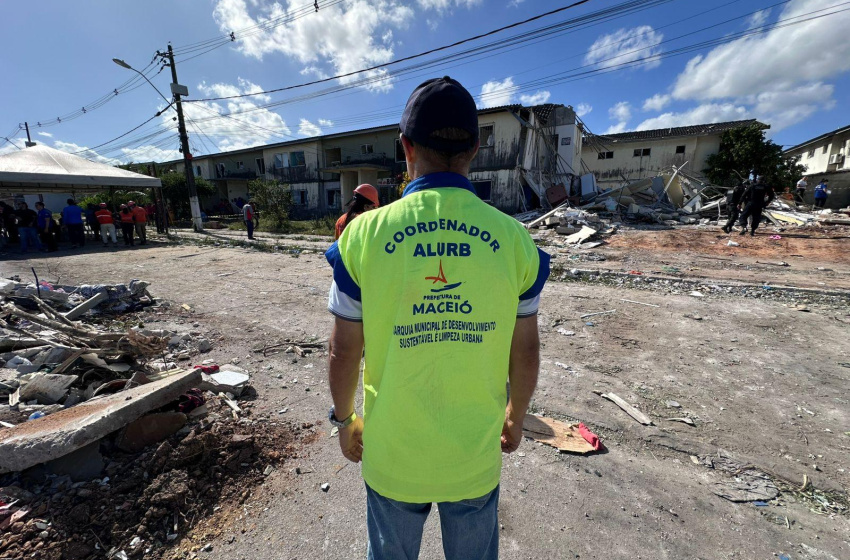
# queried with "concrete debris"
point(61, 433)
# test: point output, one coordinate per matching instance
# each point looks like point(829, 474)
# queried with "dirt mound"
point(147, 501)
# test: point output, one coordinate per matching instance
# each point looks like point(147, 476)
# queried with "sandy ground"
point(763, 382)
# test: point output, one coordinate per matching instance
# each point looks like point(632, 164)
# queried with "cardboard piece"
point(562, 436)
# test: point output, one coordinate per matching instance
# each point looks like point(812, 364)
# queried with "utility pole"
point(179, 90)
point(29, 143)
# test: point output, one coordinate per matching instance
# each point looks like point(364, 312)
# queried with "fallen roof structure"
point(41, 169)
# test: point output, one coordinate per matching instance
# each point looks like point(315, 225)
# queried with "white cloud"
point(784, 108)
point(515, 3)
point(656, 102)
point(326, 123)
point(47, 134)
point(495, 93)
point(538, 98)
point(443, 5)
point(583, 109)
point(622, 111)
point(253, 128)
point(758, 19)
point(307, 128)
point(616, 128)
point(626, 45)
point(702, 114)
point(72, 148)
point(314, 71)
point(343, 37)
point(778, 60)
point(150, 153)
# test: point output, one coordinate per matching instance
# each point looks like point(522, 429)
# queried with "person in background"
point(248, 218)
point(733, 204)
point(91, 220)
point(127, 225)
point(365, 198)
point(821, 193)
point(27, 227)
point(800, 190)
point(107, 225)
point(141, 222)
point(9, 222)
point(756, 197)
point(72, 219)
point(45, 226)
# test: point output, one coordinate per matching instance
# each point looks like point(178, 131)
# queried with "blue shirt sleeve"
point(343, 279)
point(542, 276)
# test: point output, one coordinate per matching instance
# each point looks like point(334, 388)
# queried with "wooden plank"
point(562, 436)
point(69, 361)
point(583, 234)
point(627, 408)
point(90, 303)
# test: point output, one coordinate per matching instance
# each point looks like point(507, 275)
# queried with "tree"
point(744, 150)
point(175, 189)
point(274, 202)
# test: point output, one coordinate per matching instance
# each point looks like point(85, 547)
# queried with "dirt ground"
point(765, 384)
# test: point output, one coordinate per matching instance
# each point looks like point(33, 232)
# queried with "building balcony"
point(299, 174)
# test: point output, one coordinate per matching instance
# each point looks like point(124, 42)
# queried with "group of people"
point(38, 230)
point(821, 192)
point(132, 218)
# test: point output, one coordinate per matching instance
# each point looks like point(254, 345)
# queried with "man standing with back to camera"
point(442, 290)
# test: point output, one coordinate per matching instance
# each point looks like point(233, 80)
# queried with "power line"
point(404, 59)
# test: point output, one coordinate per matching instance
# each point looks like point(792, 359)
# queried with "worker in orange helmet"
point(365, 199)
point(141, 218)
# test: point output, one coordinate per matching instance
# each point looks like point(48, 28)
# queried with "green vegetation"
point(319, 226)
point(747, 149)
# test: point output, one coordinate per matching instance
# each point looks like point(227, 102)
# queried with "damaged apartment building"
point(616, 159)
point(525, 152)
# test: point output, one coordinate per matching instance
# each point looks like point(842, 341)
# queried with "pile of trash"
point(105, 439)
point(669, 199)
point(144, 504)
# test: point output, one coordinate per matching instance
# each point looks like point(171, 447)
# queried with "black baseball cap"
point(437, 104)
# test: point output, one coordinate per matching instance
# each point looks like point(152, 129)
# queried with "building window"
point(825, 147)
point(486, 136)
point(605, 155)
point(198, 171)
point(278, 161)
point(399, 152)
point(482, 189)
point(367, 149)
point(333, 198)
point(811, 154)
point(261, 166)
point(641, 152)
point(299, 197)
point(333, 157)
point(219, 170)
point(240, 165)
point(296, 159)
point(680, 149)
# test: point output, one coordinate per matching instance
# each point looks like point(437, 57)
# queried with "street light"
point(177, 90)
point(123, 64)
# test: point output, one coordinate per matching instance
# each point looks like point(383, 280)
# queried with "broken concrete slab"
point(63, 432)
point(230, 379)
point(47, 388)
point(149, 429)
point(90, 303)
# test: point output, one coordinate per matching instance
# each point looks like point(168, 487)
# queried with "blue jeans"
point(470, 528)
point(250, 225)
point(29, 235)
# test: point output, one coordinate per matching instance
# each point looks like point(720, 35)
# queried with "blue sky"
point(794, 77)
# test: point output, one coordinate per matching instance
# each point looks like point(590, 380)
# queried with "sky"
point(623, 65)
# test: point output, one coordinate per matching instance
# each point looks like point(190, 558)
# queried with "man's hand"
point(351, 440)
point(511, 436)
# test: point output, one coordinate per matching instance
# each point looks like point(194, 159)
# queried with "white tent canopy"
point(40, 170)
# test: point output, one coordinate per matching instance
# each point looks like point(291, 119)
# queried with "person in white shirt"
point(800, 191)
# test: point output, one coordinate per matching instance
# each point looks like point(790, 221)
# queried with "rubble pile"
point(107, 447)
point(144, 503)
point(669, 199)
